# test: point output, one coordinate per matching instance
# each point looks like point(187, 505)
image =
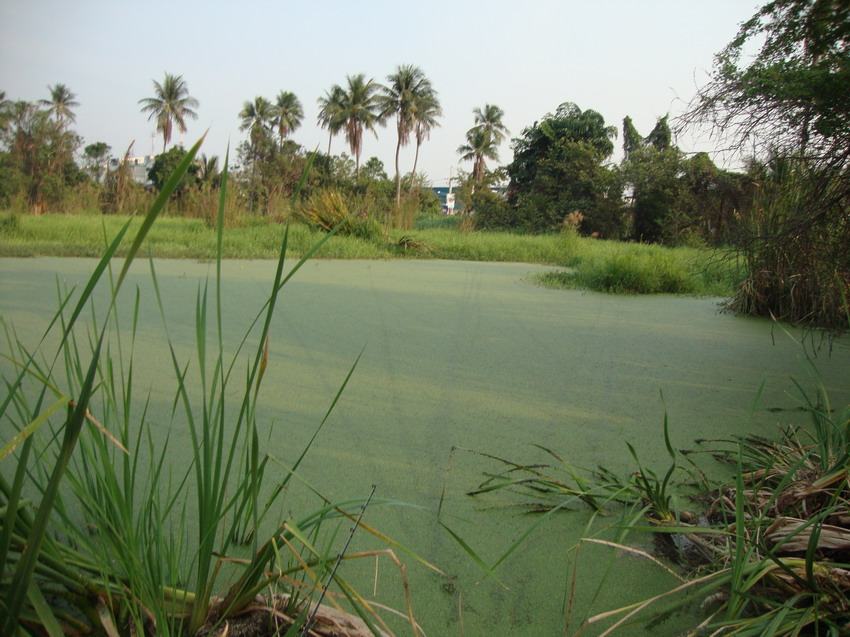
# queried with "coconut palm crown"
point(331, 106)
point(60, 104)
point(171, 105)
point(479, 146)
point(360, 112)
point(288, 113)
point(489, 119)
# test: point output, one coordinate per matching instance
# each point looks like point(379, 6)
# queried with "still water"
point(471, 356)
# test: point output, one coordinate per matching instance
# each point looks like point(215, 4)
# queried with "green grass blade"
point(45, 614)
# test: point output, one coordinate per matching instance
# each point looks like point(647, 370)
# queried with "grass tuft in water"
point(766, 553)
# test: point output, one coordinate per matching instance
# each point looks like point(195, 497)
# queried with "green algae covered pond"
point(474, 356)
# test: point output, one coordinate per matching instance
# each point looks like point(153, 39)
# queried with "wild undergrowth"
point(628, 268)
point(106, 531)
point(766, 552)
point(605, 266)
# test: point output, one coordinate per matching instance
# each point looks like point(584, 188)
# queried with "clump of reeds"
point(767, 553)
point(95, 535)
point(795, 245)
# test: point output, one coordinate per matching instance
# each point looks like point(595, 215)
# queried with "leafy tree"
point(331, 112)
point(631, 138)
point(558, 169)
point(790, 101)
point(39, 156)
point(660, 136)
point(374, 169)
point(711, 202)
point(653, 174)
point(96, 157)
point(360, 111)
point(483, 139)
point(288, 114)
point(170, 106)
point(400, 98)
point(792, 94)
point(164, 165)
point(59, 107)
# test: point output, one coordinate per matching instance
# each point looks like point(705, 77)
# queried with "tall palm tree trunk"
point(415, 161)
point(397, 175)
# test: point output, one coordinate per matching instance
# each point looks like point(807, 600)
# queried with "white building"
point(139, 167)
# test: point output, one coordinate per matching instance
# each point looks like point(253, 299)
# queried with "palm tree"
point(208, 172)
point(489, 119)
point(330, 112)
point(405, 89)
point(479, 146)
point(257, 117)
point(60, 104)
point(360, 111)
point(427, 112)
point(170, 105)
point(288, 113)
point(5, 112)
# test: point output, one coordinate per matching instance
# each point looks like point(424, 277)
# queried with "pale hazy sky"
point(642, 58)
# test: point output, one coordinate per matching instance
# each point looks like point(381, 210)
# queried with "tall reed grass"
point(104, 531)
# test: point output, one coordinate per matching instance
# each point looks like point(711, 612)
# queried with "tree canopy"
point(558, 169)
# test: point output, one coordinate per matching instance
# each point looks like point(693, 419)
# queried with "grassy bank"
point(607, 266)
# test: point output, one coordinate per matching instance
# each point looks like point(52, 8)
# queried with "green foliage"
point(765, 555)
point(788, 100)
point(37, 164)
point(328, 210)
point(483, 140)
point(490, 210)
point(790, 93)
point(9, 221)
point(96, 157)
point(170, 106)
point(268, 172)
point(654, 177)
point(631, 273)
point(407, 94)
point(660, 136)
point(678, 200)
point(116, 545)
point(631, 138)
point(794, 244)
point(163, 167)
point(558, 169)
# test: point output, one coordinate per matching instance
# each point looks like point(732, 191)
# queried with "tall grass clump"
point(104, 531)
point(329, 210)
point(766, 552)
point(617, 268)
point(795, 243)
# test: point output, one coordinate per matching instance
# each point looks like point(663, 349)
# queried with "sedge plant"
point(102, 532)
